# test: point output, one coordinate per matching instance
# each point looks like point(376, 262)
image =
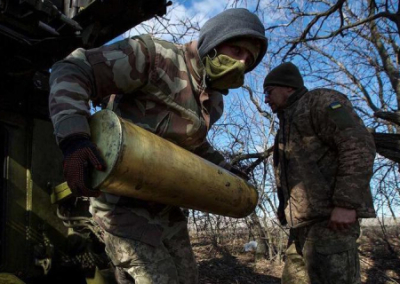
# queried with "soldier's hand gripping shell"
point(80, 157)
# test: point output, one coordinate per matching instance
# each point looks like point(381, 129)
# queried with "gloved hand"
point(80, 155)
point(240, 173)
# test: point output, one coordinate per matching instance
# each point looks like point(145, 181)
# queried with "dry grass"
point(227, 262)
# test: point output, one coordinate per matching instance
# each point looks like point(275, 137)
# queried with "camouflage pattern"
point(155, 84)
point(323, 158)
point(155, 90)
point(318, 255)
point(172, 262)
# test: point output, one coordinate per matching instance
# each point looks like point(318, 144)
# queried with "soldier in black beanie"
point(285, 74)
point(285, 79)
point(323, 160)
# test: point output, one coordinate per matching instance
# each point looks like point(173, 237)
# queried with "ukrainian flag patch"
point(335, 105)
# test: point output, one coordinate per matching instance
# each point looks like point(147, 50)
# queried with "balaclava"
point(224, 72)
point(286, 75)
point(228, 25)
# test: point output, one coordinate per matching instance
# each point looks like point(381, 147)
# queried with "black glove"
point(240, 173)
point(80, 156)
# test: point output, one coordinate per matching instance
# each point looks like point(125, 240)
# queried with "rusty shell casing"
point(143, 165)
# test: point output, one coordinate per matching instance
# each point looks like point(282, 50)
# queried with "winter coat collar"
point(296, 96)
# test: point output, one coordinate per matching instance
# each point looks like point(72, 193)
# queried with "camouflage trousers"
point(172, 262)
point(318, 255)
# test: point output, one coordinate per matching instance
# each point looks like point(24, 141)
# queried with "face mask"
point(224, 72)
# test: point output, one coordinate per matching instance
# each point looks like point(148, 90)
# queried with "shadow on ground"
point(224, 268)
point(380, 258)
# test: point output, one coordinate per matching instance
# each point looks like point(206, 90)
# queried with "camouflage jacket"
point(156, 85)
point(323, 157)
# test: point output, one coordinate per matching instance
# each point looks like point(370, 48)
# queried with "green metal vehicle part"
point(41, 241)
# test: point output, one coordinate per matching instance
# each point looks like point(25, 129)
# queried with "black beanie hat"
point(232, 23)
point(286, 74)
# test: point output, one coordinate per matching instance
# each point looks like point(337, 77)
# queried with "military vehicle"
point(44, 240)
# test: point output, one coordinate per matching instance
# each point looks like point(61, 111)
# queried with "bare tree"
point(352, 46)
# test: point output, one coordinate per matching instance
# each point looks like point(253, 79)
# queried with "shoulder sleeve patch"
point(341, 116)
point(335, 105)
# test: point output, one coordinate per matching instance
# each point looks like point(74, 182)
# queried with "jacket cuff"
point(344, 204)
point(70, 125)
point(362, 210)
point(366, 213)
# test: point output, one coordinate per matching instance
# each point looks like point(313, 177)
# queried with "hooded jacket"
point(161, 87)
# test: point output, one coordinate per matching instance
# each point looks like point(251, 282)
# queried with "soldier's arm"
point(93, 74)
point(338, 125)
point(206, 151)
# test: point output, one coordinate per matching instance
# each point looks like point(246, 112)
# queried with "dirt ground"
point(379, 259)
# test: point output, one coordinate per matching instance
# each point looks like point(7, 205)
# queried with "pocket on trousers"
point(334, 247)
point(337, 262)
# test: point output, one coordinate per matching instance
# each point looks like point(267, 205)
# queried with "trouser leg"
point(332, 257)
point(122, 277)
point(180, 250)
point(294, 271)
point(144, 263)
